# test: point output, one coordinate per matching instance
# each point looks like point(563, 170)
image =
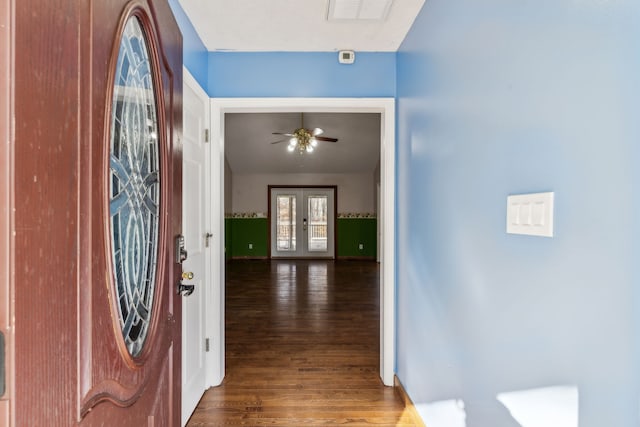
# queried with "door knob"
point(187, 275)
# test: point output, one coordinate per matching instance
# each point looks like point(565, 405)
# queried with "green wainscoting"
point(245, 232)
point(240, 232)
point(355, 231)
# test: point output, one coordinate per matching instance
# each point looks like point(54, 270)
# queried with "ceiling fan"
point(302, 139)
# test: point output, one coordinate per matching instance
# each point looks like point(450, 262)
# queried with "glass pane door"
point(302, 223)
point(286, 222)
point(317, 207)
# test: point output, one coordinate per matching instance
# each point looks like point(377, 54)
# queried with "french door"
point(302, 222)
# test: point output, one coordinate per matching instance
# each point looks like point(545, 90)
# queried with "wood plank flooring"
point(302, 348)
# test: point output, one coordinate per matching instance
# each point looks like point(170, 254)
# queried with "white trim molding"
point(384, 106)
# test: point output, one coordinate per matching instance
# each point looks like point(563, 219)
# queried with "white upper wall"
point(355, 191)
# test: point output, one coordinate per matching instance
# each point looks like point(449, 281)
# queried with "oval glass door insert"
point(134, 187)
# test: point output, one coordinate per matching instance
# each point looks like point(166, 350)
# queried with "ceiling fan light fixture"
point(303, 140)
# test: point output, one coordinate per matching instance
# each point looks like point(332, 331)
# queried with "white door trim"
point(194, 382)
point(384, 106)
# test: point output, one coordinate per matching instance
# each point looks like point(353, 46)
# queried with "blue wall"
point(501, 97)
point(284, 74)
point(300, 74)
point(194, 52)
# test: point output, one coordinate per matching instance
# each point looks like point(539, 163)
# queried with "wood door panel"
point(71, 356)
point(113, 374)
point(6, 205)
point(161, 413)
point(157, 408)
point(46, 94)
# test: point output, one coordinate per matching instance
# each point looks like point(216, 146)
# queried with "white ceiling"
point(295, 25)
point(299, 26)
point(248, 147)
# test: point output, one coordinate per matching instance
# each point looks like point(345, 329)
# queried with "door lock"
point(185, 290)
point(181, 252)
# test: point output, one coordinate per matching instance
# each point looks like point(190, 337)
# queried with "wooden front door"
point(96, 211)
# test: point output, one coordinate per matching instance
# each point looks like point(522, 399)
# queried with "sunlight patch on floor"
point(445, 413)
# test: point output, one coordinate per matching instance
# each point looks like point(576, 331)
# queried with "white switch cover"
point(530, 214)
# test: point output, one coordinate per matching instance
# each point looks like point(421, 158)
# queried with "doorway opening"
point(386, 214)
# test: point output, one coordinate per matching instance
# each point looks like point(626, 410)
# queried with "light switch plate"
point(530, 214)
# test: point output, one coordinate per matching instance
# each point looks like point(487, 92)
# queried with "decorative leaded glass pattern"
point(134, 187)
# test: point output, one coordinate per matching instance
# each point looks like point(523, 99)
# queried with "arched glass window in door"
point(134, 187)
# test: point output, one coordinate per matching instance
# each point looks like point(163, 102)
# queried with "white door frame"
point(193, 374)
point(384, 106)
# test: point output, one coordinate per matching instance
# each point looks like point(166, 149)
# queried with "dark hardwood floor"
point(302, 348)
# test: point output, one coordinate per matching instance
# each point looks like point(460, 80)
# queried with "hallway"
point(302, 348)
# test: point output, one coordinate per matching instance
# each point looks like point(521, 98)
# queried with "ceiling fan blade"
point(317, 131)
point(280, 133)
point(324, 138)
point(278, 142)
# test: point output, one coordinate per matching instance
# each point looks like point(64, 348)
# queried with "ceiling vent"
point(365, 10)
